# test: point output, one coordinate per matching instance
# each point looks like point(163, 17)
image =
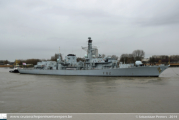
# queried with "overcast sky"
point(37, 28)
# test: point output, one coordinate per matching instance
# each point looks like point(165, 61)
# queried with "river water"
point(23, 93)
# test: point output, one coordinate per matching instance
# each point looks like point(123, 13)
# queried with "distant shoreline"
point(6, 65)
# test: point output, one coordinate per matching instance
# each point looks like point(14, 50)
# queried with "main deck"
point(145, 71)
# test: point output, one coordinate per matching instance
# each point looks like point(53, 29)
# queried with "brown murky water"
point(23, 93)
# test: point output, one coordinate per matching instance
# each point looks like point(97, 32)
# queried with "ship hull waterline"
point(147, 71)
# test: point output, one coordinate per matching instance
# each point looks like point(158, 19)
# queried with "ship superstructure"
point(93, 65)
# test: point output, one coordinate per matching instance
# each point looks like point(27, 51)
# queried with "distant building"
point(145, 60)
point(95, 52)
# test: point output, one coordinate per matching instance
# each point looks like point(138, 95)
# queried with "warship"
point(93, 65)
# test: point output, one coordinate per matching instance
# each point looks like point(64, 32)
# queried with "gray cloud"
point(161, 13)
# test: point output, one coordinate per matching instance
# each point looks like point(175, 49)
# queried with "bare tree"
point(124, 58)
point(6, 62)
point(138, 54)
point(103, 55)
point(115, 57)
point(53, 58)
point(56, 56)
point(18, 62)
point(61, 57)
point(127, 58)
point(32, 61)
point(80, 59)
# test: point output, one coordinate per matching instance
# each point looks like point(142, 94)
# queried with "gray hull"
point(144, 71)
